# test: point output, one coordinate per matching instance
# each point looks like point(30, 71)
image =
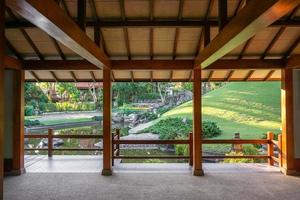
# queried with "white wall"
point(296, 82)
point(8, 111)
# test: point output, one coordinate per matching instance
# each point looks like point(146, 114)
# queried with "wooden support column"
point(287, 121)
point(2, 52)
point(18, 132)
point(197, 124)
point(107, 135)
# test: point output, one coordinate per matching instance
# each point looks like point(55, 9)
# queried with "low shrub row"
point(29, 123)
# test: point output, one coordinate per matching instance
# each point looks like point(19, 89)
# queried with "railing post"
point(50, 143)
point(191, 149)
point(118, 145)
point(280, 150)
point(270, 137)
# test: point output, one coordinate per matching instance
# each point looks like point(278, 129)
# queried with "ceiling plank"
point(48, 16)
point(13, 50)
point(244, 25)
point(248, 64)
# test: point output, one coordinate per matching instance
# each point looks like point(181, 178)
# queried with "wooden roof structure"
point(150, 40)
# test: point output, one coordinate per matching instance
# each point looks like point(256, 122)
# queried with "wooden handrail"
point(64, 136)
point(236, 141)
point(151, 141)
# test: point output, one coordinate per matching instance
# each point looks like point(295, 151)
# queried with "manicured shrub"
point(247, 150)
point(172, 128)
point(29, 110)
point(32, 122)
point(210, 129)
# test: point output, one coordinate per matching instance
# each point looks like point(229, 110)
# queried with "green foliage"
point(187, 86)
point(29, 123)
point(124, 131)
point(247, 150)
point(149, 116)
point(210, 129)
point(88, 130)
point(172, 128)
point(29, 110)
point(68, 90)
point(181, 149)
point(68, 106)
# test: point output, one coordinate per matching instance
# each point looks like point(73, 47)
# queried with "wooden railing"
point(50, 136)
point(270, 142)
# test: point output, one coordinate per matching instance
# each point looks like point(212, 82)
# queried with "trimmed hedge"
point(66, 106)
point(32, 122)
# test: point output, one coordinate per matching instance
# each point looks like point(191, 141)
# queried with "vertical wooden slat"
point(197, 124)
point(18, 132)
point(270, 137)
point(287, 120)
point(191, 149)
point(107, 140)
point(2, 53)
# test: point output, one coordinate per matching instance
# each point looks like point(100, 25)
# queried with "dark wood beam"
point(58, 49)
point(132, 76)
point(65, 7)
point(12, 63)
point(171, 75)
point(93, 8)
point(206, 35)
point(269, 75)
point(249, 75)
point(293, 62)
point(222, 14)
point(229, 75)
point(250, 20)
point(239, 7)
point(245, 47)
point(173, 23)
point(248, 64)
point(37, 79)
point(153, 64)
point(81, 14)
point(48, 16)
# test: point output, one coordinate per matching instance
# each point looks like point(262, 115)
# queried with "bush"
point(181, 149)
point(32, 122)
point(29, 110)
point(172, 128)
point(67, 106)
point(97, 118)
point(149, 116)
point(247, 150)
point(124, 131)
point(210, 129)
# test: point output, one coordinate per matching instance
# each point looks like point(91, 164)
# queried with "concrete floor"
point(66, 178)
point(150, 186)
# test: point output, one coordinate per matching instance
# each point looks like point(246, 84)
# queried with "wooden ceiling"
point(152, 30)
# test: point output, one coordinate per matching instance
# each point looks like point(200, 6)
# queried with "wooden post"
point(270, 137)
point(191, 149)
point(287, 117)
point(113, 148)
point(50, 143)
point(2, 53)
point(279, 150)
point(107, 168)
point(18, 134)
point(197, 124)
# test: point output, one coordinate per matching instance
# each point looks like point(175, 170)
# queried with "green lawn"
point(63, 121)
point(250, 108)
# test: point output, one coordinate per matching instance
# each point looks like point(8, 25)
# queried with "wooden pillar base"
point(198, 172)
point(107, 172)
point(289, 172)
point(15, 172)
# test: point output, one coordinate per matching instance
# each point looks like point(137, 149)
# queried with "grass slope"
point(250, 108)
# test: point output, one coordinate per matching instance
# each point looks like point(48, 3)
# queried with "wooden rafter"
point(245, 47)
point(61, 27)
point(248, 64)
point(13, 49)
point(229, 75)
point(171, 75)
point(81, 14)
point(191, 76)
point(13, 63)
point(210, 75)
point(278, 34)
point(27, 37)
point(34, 76)
point(151, 76)
point(73, 76)
point(179, 17)
point(269, 75)
point(58, 49)
point(93, 76)
point(132, 76)
point(54, 76)
point(126, 37)
point(291, 48)
point(243, 26)
point(222, 8)
point(249, 75)
point(239, 7)
point(65, 7)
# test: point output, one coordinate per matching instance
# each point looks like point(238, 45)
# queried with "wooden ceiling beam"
point(294, 61)
point(249, 75)
point(291, 48)
point(154, 64)
point(250, 20)
point(58, 49)
point(48, 16)
point(12, 63)
point(93, 76)
point(269, 75)
point(37, 79)
point(248, 64)
point(245, 47)
point(172, 23)
point(73, 76)
point(54, 76)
